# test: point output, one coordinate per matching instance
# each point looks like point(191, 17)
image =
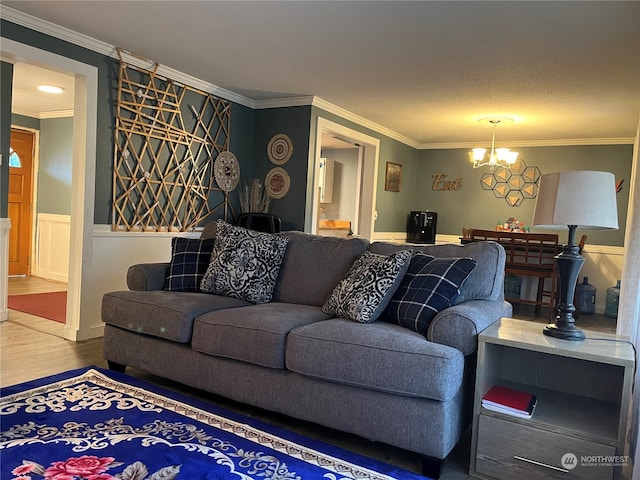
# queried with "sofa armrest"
point(459, 325)
point(147, 276)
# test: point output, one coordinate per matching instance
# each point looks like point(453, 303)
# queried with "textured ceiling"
point(425, 70)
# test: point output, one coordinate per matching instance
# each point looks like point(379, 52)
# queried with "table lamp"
point(577, 199)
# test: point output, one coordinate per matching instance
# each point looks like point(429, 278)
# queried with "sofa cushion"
point(256, 334)
point(244, 263)
point(427, 288)
point(364, 292)
point(190, 258)
point(313, 265)
point(377, 356)
point(486, 282)
point(160, 313)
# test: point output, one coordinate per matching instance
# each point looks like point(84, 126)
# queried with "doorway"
point(83, 175)
point(359, 181)
point(21, 158)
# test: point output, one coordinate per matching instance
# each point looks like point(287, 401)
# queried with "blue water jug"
point(613, 298)
point(586, 297)
point(512, 286)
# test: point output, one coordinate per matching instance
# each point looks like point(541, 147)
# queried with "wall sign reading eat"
point(440, 182)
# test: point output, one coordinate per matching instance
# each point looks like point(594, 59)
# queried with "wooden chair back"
point(532, 255)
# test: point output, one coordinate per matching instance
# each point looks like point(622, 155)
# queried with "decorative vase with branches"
point(254, 197)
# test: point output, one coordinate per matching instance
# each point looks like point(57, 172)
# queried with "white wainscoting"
point(5, 226)
point(113, 254)
point(52, 246)
point(603, 264)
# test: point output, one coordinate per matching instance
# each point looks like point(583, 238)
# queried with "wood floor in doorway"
point(25, 286)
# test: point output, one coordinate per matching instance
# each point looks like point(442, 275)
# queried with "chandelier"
point(499, 157)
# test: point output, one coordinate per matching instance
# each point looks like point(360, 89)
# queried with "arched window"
point(14, 159)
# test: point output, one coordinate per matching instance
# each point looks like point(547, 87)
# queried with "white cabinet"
point(325, 180)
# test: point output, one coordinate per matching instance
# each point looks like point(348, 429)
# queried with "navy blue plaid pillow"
point(428, 287)
point(190, 258)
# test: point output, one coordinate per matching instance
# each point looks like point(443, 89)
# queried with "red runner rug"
point(51, 305)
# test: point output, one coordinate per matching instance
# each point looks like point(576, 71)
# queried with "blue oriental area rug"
point(94, 424)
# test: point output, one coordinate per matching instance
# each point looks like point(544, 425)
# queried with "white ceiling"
point(28, 100)
point(425, 70)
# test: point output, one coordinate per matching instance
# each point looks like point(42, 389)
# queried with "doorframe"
point(83, 173)
point(369, 153)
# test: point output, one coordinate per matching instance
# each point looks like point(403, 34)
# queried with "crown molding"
point(336, 110)
point(347, 115)
point(300, 101)
point(54, 30)
point(44, 115)
point(68, 35)
point(56, 114)
point(532, 143)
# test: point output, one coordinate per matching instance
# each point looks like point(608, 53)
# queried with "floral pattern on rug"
point(92, 427)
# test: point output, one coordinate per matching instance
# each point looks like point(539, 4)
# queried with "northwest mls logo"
point(569, 461)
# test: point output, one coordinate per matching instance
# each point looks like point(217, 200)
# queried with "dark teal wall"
point(24, 121)
point(242, 121)
point(472, 206)
point(6, 74)
point(294, 122)
point(241, 145)
point(392, 207)
point(107, 76)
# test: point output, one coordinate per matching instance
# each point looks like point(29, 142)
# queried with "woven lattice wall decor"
point(167, 138)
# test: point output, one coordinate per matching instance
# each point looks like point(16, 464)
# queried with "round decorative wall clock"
point(277, 182)
point(226, 171)
point(279, 149)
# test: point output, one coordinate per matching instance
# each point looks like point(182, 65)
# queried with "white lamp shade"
point(586, 199)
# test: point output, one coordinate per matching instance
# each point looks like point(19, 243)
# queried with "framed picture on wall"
point(393, 177)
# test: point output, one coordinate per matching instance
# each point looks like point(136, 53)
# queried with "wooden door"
point(20, 185)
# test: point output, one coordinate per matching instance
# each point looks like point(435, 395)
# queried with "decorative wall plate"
point(279, 149)
point(277, 182)
point(226, 170)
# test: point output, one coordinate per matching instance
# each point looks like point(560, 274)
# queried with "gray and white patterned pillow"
point(366, 289)
point(244, 263)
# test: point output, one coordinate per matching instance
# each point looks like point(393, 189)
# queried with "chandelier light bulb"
point(502, 157)
point(477, 154)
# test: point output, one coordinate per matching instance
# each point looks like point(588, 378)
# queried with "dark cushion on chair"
point(261, 222)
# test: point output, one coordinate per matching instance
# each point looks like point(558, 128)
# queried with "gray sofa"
point(377, 380)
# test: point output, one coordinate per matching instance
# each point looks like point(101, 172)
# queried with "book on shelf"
point(510, 401)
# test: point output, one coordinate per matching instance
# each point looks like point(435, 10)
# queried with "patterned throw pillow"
point(364, 292)
point(428, 287)
point(190, 258)
point(244, 263)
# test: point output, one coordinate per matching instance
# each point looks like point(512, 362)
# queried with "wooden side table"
point(579, 426)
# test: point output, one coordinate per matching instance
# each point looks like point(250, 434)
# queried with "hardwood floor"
point(27, 285)
point(31, 347)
